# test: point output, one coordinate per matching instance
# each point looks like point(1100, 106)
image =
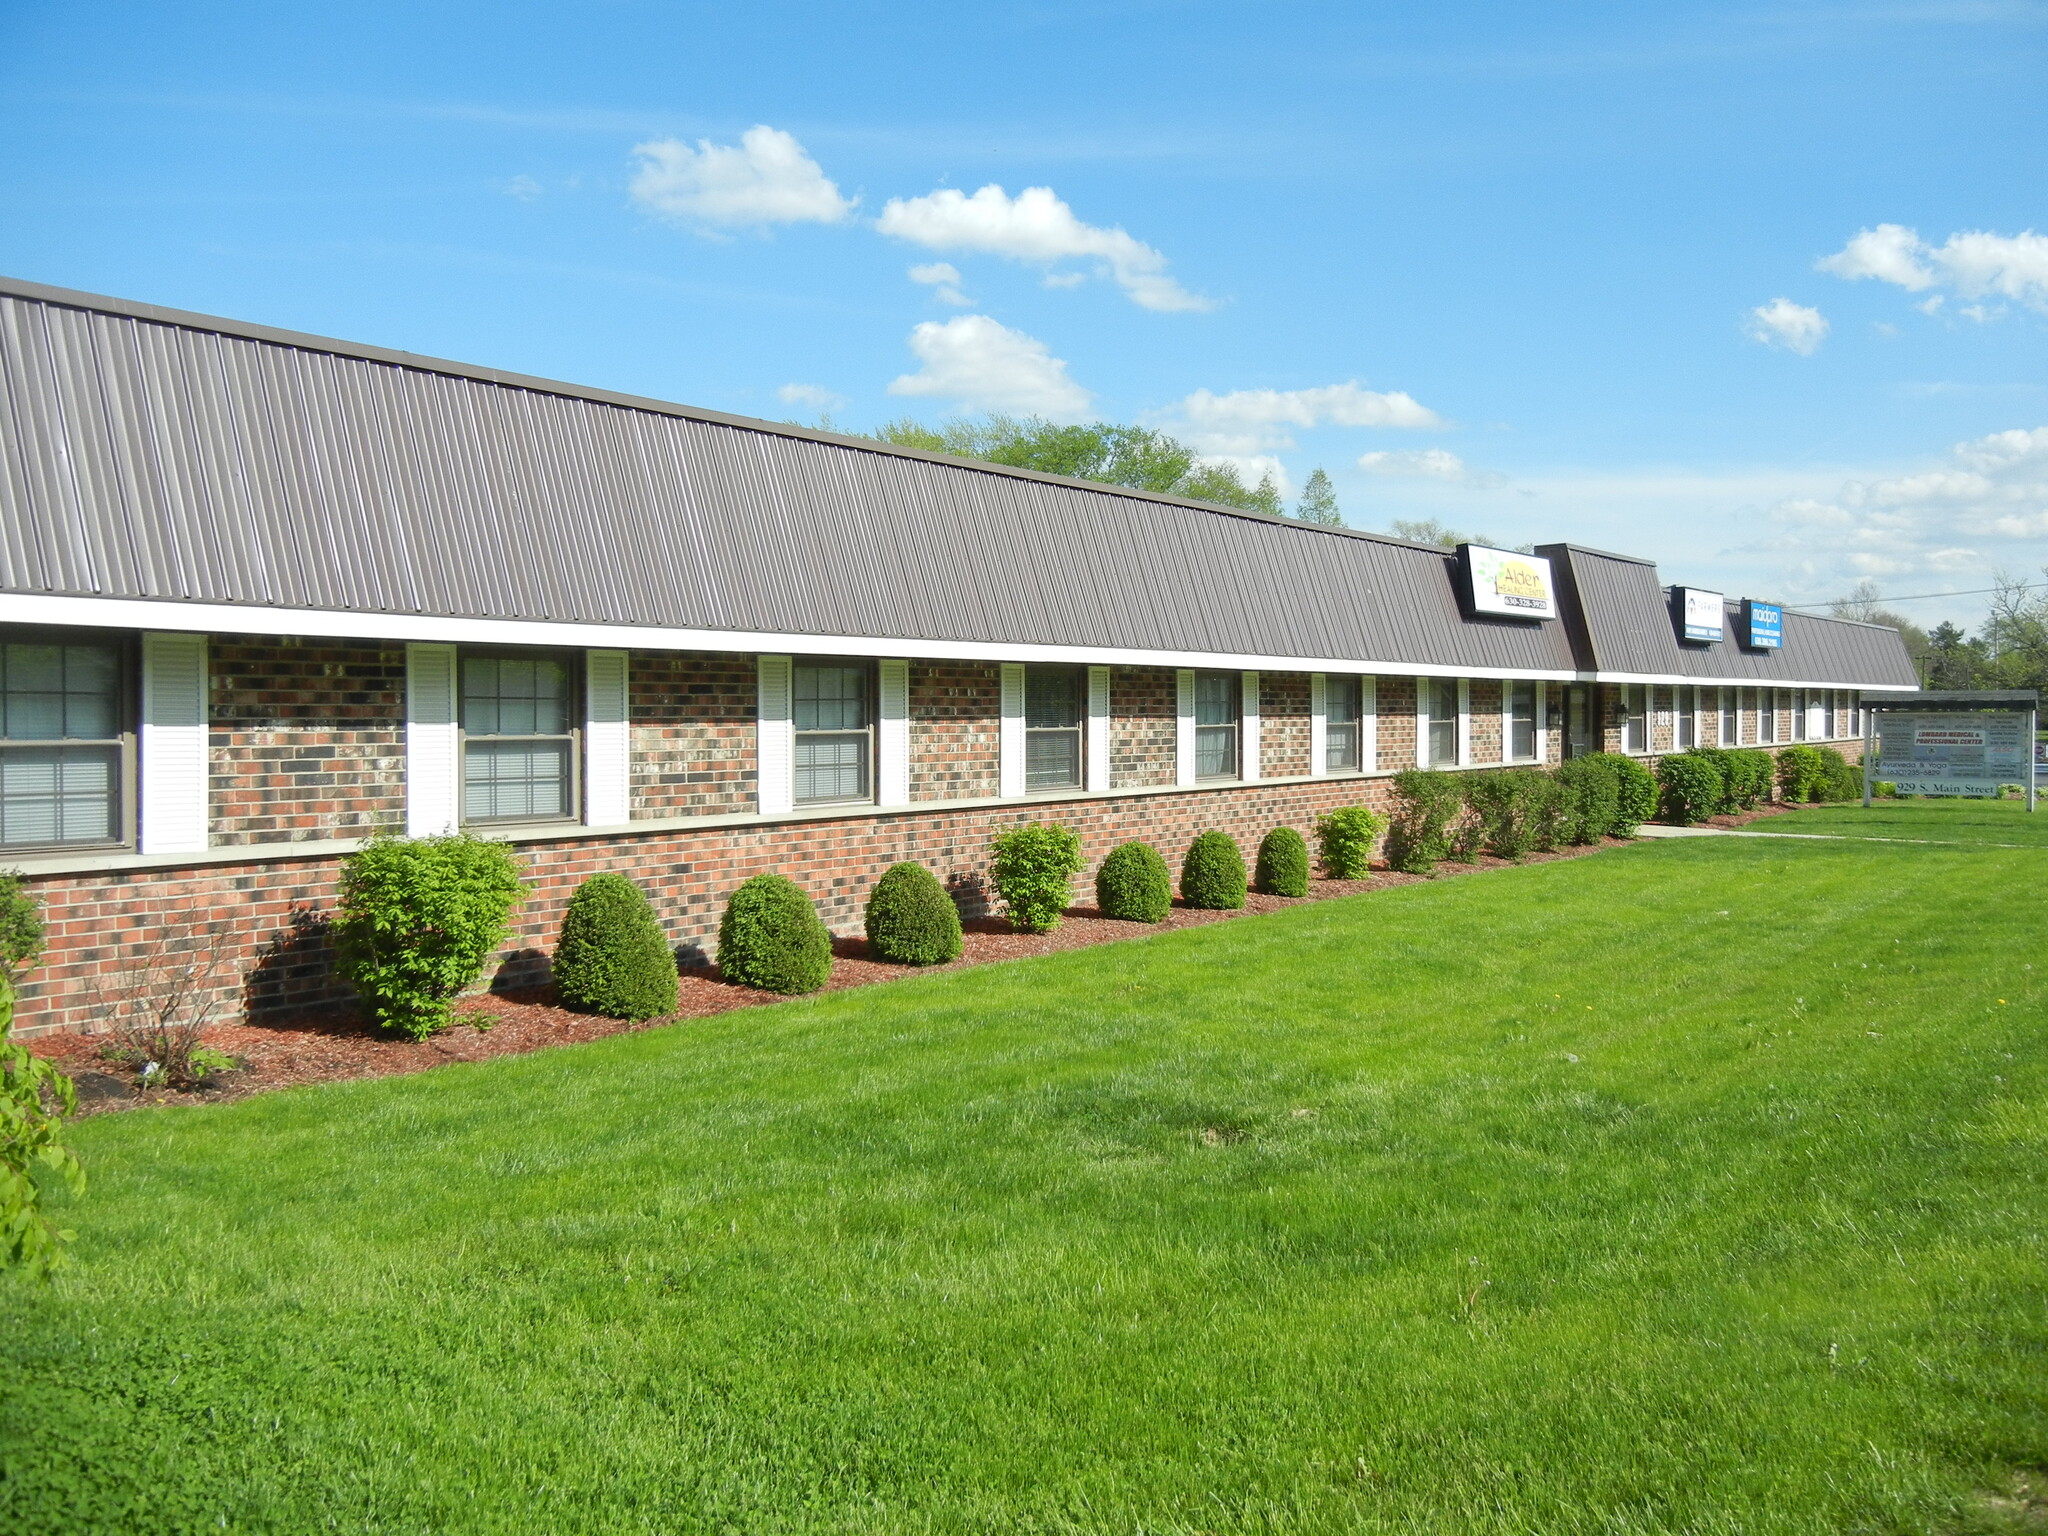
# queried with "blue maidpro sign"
point(1763, 625)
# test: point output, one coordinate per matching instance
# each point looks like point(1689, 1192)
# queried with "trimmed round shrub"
point(1344, 839)
point(416, 920)
point(1693, 787)
point(910, 918)
point(1426, 806)
point(1032, 868)
point(1212, 875)
point(1282, 865)
point(1134, 884)
point(772, 938)
point(612, 957)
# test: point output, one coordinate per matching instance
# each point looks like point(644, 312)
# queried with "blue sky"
point(1754, 290)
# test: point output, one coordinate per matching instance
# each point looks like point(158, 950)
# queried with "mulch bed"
point(332, 1043)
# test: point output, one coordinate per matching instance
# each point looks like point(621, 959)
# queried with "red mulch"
point(332, 1043)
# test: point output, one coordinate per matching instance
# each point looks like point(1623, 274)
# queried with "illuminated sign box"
point(1763, 625)
point(1699, 614)
point(1508, 584)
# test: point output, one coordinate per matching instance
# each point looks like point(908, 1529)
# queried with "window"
point(63, 744)
point(832, 704)
point(1820, 711)
point(1521, 712)
point(1218, 698)
point(1344, 741)
point(1054, 707)
point(1685, 718)
point(1635, 719)
point(1438, 697)
point(1766, 715)
point(1799, 715)
point(518, 737)
point(1731, 717)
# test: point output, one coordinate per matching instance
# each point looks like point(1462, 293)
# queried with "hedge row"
point(1712, 781)
point(1512, 812)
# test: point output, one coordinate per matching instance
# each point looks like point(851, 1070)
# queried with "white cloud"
point(1253, 467)
point(981, 364)
point(525, 188)
point(1429, 464)
point(766, 179)
point(1781, 323)
point(1034, 226)
point(816, 396)
point(1249, 421)
point(943, 278)
point(1975, 263)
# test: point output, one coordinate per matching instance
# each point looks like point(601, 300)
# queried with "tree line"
point(2009, 650)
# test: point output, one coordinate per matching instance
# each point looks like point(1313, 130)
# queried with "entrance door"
point(1578, 720)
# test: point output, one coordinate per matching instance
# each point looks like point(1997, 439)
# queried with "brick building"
point(263, 596)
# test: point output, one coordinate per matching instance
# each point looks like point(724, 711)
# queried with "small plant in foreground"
point(1427, 803)
point(1693, 787)
point(772, 938)
point(910, 918)
point(417, 919)
point(612, 957)
point(1212, 874)
point(1032, 868)
point(1345, 838)
point(157, 1009)
point(1282, 865)
point(34, 1099)
point(1134, 884)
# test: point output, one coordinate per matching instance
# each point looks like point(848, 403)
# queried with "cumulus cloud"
point(943, 278)
point(1781, 323)
point(1250, 421)
point(766, 178)
point(1034, 226)
point(816, 396)
point(1429, 464)
point(524, 188)
point(1974, 264)
point(981, 364)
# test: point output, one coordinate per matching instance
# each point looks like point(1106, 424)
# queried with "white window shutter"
point(1098, 729)
point(1184, 726)
point(1011, 769)
point(1542, 724)
point(1369, 706)
point(1319, 722)
point(1464, 722)
point(433, 767)
point(774, 737)
point(174, 749)
point(1251, 757)
point(892, 732)
point(607, 740)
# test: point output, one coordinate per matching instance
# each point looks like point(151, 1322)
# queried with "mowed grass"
point(1692, 1187)
point(1978, 823)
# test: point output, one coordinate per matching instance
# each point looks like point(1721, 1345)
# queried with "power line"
point(1920, 597)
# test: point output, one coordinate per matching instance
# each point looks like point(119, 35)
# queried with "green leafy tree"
point(1318, 502)
point(34, 1099)
point(1865, 605)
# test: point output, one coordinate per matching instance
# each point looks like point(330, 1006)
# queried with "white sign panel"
point(1952, 754)
point(1514, 585)
point(1700, 613)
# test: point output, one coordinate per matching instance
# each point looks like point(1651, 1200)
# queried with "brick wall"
point(1142, 710)
point(1485, 738)
point(956, 729)
point(307, 739)
point(693, 733)
point(1396, 696)
point(1285, 714)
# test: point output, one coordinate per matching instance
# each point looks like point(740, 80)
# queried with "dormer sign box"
point(1763, 625)
point(1699, 614)
point(1507, 583)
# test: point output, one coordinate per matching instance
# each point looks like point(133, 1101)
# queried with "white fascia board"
point(1670, 679)
point(327, 623)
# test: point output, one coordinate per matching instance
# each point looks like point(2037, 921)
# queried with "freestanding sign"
point(1508, 583)
point(1954, 753)
point(1700, 613)
point(1763, 625)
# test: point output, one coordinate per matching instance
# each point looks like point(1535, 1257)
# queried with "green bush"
point(416, 920)
point(1033, 868)
point(1507, 807)
point(1589, 799)
point(1885, 789)
point(34, 1099)
point(1345, 838)
point(1839, 778)
point(910, 918)
point(1426, 805)
point(1212, 875)
point(1282, 865)
point(1724, 764)
point(1636, 794)
point(1134, 884)
point(1802, 773)
point(1749, 777)
point(772, 938)
point(612, 957)
point(1693, 787)
point(21, 929)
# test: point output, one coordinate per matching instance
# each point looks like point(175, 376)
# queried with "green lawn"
point(1694, 1187)
point(1976, 822)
